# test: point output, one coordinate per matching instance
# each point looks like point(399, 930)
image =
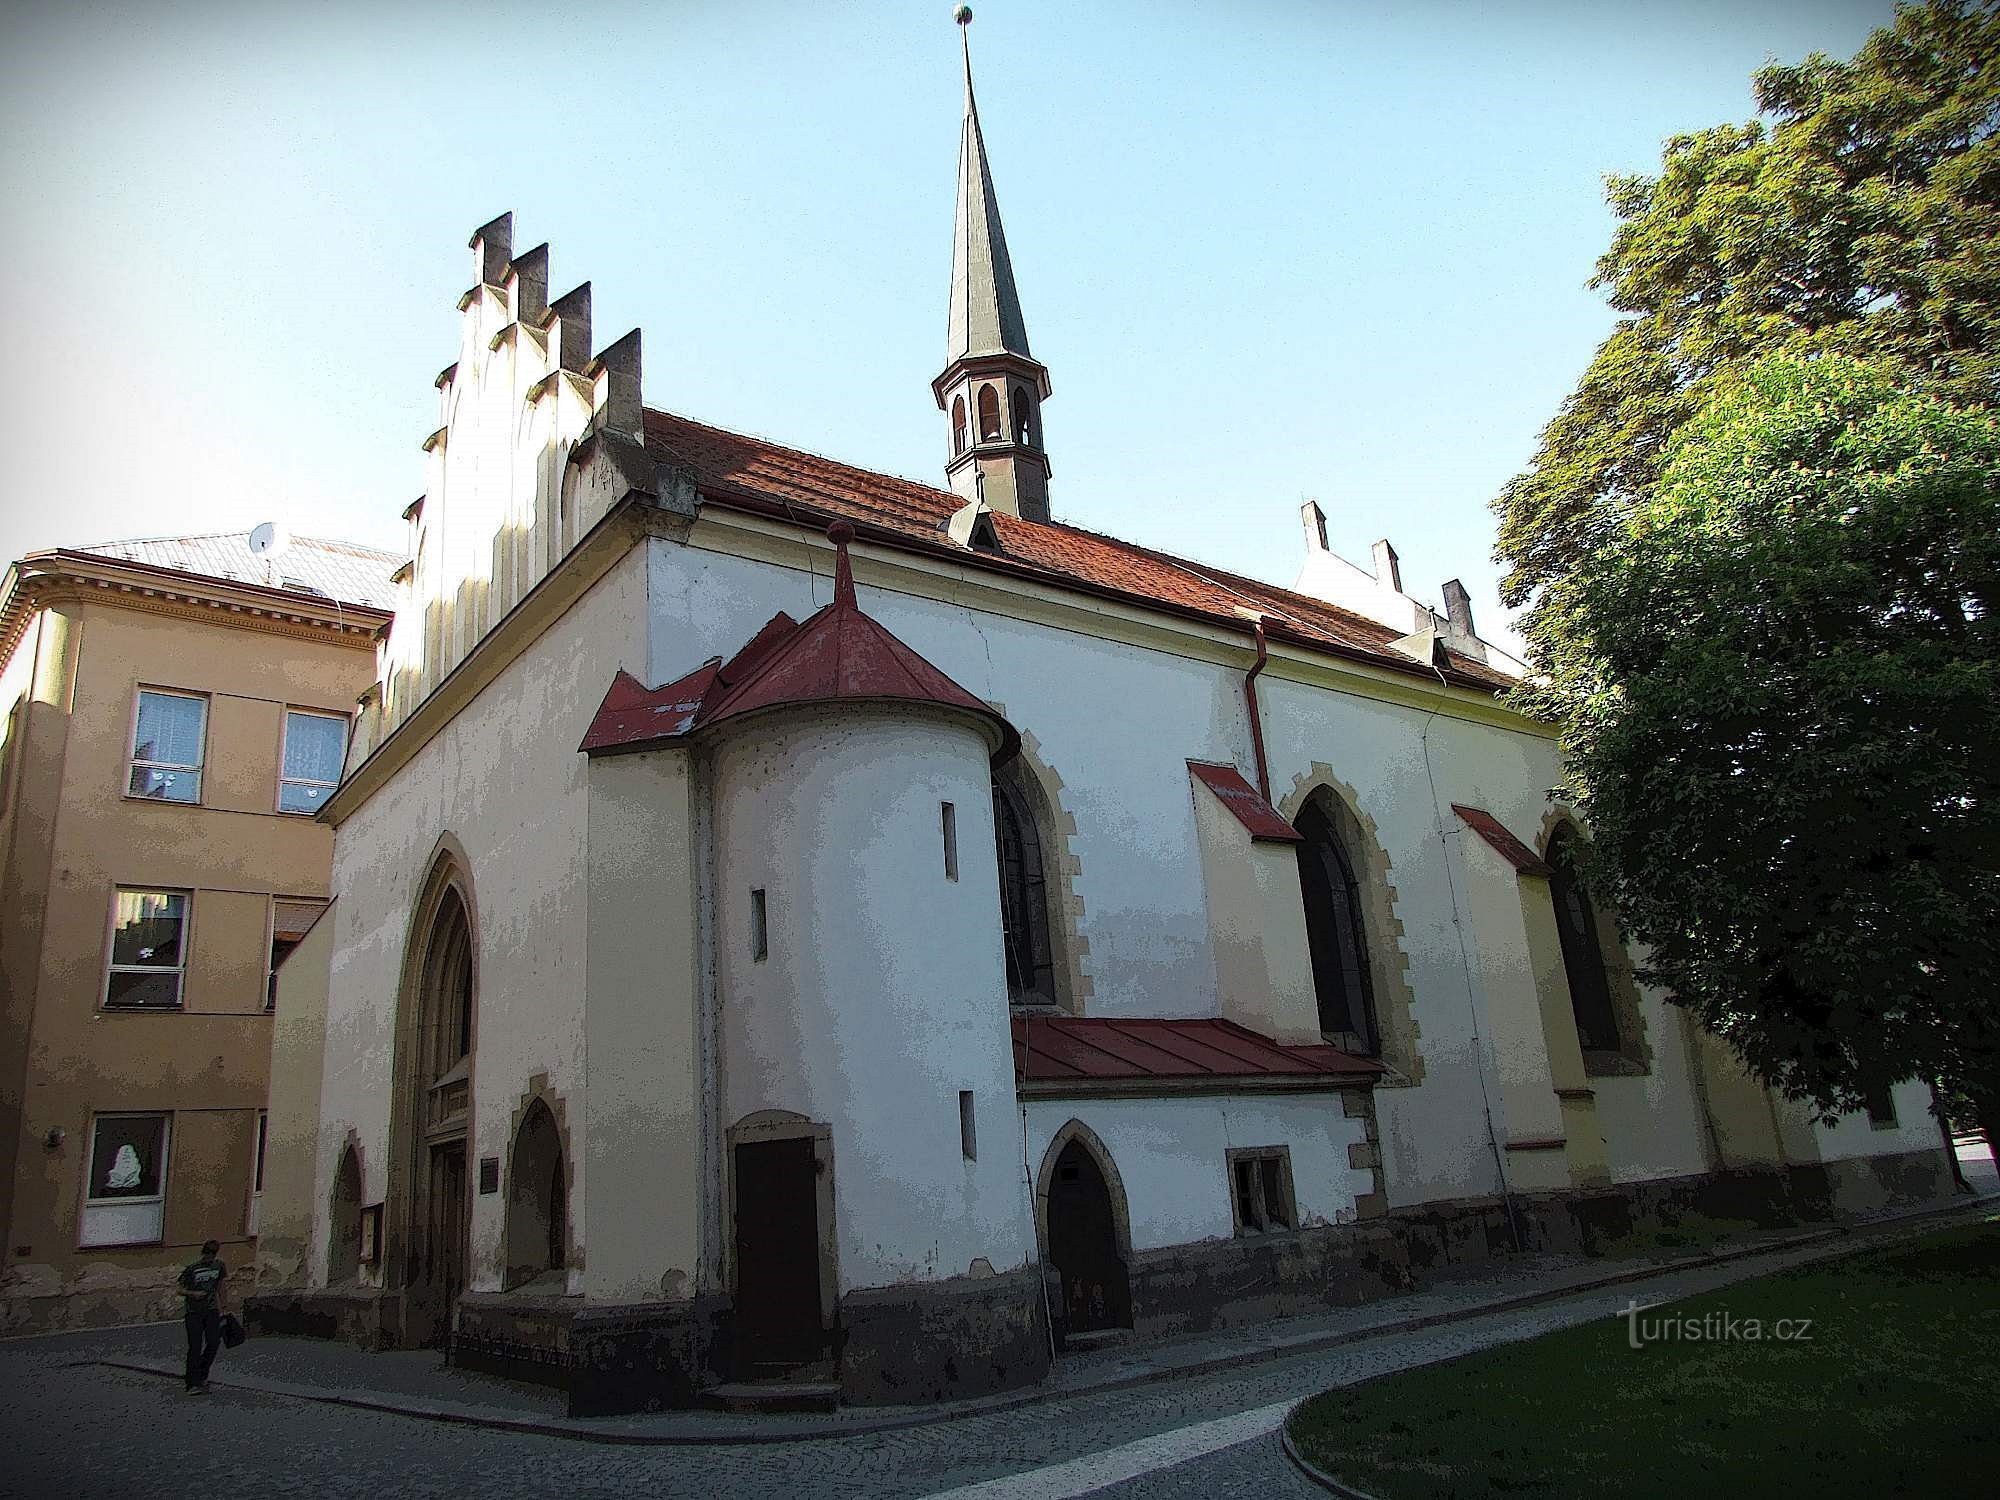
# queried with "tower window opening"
point(989, 415)
point(957, 424)
point(1019, 402)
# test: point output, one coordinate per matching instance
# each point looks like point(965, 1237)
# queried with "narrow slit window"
point(950, 820)
point(760, 932)
point(968, 1141)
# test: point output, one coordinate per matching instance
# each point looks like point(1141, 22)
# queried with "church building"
point(793, 924)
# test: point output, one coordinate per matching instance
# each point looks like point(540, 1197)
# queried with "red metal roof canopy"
point(1062, 1054)
point(1252, 811)
point(1490, 828)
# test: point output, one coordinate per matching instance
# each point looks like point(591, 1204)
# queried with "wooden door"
point(446, 1239)
point(778, 1316)
point(1083, 1245)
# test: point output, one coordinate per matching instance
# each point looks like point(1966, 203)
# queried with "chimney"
point(1315, 522)
point(1387, 569)
point(1458, 605)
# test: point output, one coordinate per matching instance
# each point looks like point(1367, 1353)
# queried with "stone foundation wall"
point(355, 1315)
point(973, 1336)
point(943, 1340)
point(37, 1299)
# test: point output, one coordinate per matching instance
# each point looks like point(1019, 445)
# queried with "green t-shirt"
point(200, 1278)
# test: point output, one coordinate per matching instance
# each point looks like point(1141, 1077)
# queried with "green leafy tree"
point(1860, 215)
point(1779, 683)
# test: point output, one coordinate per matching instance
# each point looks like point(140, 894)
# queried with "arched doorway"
point(343, 1246)
point(1083, 1243)
point(432, 1191)
point(536, 1199)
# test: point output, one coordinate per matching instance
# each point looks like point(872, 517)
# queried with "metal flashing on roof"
point(1262, 820)
point(1511, 849)
point(1078, 1054)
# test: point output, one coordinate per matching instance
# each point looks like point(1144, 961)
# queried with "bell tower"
point(992, 388)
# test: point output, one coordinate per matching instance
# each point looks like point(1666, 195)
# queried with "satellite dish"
point(268, 539)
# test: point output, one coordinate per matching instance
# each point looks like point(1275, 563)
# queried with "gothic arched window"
point(1335, 934)
point(989, 414)
point(1024, 901)
point(1583, 958)
point(1019, 403)
point(958, 424)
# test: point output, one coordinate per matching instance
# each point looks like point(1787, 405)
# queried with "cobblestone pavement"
point(70, 1426)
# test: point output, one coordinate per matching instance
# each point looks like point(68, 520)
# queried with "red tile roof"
point(1252, 811)
point(1053, 1054)
point(1490, 828)
point(733, 469)
point(839, 655)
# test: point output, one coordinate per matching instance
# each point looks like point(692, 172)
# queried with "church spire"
point(985, 308)
point(992, 387)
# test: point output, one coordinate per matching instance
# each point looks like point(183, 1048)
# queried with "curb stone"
point(718, 1436)
point(1312, 1470)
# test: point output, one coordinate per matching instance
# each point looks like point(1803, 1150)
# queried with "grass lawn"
point(1891, 1393)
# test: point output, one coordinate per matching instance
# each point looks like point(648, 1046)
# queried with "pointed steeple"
point(992, 386)
point(985, 308)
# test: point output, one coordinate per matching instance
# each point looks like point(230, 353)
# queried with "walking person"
point(202, 1283)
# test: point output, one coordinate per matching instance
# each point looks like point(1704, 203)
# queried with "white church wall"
point(1652, 1123)
point(1916, 1128)
point(882, 992)
point(505, 780)
point(1121, 749)
point(1171, 1156)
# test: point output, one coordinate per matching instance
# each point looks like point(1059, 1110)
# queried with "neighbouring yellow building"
point(177, 711)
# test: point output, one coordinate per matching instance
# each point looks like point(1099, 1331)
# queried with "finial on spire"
point(840, 534)
point(963, 15)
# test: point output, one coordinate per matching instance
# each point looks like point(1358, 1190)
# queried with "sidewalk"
point(419, 1384)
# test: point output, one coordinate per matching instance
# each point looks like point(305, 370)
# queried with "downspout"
point(710, 1274)
point(1256, 717)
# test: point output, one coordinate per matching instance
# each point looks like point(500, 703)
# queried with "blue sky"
point(1267, 251)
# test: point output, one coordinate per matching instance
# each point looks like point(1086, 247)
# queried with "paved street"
point(74, 1427)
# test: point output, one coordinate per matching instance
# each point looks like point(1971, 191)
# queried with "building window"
point(760, 930)
point(958, 424)
point(1336, 937)
point(315, 745)
point(968, 1139)
point(251, 1224)
point(1019, 402)
point(1583, 958)
point(169, 735)
point(1881, 1104)
point(1024, 904)
point(989, 414)
point(290, 921)
point(125, 1200)
point(1261, 1189)
point(148, 950)
point(950, 821)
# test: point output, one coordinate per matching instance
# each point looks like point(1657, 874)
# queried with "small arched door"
point(1083, 1245)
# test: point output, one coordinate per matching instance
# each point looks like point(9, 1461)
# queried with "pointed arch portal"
point(1086, 1232)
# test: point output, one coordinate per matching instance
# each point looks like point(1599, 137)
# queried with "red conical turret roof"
point(839, 655)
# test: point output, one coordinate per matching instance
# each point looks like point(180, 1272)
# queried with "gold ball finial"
point(963, 15)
